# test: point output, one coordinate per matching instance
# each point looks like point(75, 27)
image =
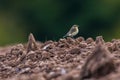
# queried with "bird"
point(72, 32)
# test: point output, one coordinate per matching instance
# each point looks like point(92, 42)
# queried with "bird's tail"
point(64, 36)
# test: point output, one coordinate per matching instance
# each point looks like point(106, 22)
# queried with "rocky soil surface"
point(66, 59)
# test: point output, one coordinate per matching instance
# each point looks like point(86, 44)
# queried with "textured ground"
point(66, 59)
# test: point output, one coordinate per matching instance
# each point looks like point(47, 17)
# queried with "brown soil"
point(66, 59)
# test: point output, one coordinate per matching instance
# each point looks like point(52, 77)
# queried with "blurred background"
point(51, 19)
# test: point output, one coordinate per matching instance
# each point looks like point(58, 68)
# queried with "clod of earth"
point(66, 59)
point(99, 63)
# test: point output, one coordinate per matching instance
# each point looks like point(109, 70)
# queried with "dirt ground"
point(66, 59)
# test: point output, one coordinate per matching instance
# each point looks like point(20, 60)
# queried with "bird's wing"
point(69, 33)
point(72, 29)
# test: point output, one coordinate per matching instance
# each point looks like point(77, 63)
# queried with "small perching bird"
point(72, 32)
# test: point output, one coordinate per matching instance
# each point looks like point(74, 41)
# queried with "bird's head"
point(75, 26)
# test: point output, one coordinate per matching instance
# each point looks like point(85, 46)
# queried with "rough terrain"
point(66, 59)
